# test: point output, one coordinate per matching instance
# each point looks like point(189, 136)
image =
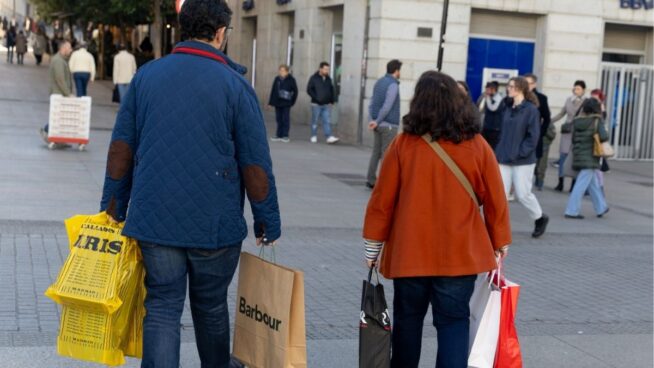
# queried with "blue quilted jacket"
point(188, 143)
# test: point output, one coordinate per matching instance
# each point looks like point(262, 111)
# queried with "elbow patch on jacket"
point(120, 159)
point(256, 182)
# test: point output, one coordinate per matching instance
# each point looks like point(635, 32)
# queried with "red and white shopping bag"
point(508, 347)
point(485, 305)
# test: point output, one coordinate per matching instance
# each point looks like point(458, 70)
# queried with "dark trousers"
point(283, 117)
point(20, 57)
point(491, 136)
point(10, 54)
point(81, 82)
point(39, 59)
point(383, 138)
point(449, 298)
point(208, 274)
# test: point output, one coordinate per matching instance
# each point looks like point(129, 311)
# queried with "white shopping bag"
point(485, 306)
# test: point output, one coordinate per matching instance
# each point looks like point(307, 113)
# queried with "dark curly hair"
point(440, 108)
point(200, 19)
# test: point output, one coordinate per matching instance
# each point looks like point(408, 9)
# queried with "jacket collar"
point(392, 78)
point(203, 47)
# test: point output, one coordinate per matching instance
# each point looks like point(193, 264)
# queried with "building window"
point(622, 58)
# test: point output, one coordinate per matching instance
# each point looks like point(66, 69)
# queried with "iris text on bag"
point(257, 315)
point(93, 243)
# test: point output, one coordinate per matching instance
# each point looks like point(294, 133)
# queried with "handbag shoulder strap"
point(454, 168)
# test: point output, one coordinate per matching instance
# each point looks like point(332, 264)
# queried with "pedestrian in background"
point(434, 238)
point(584, 128)
point(463, 87)
point(321, 91)
point(516, 151)
point(569, 111)
point(82, 65)
point(384, 116)
point(21, 47)
point(178, 170)
point(59, 77)
point(546, 134)
point(604, 164)
point(491, 107)
point(124, 68)
point(40, 45)
point(283, 95)
point(10, 41)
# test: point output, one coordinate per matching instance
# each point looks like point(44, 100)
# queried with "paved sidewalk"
point(586, 298)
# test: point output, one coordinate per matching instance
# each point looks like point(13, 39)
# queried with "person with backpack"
point(585, 127)
point(283, 95)
point(427, 220)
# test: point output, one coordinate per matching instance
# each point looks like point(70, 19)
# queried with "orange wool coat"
point(428, 222)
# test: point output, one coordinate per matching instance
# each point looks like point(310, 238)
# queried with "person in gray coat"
point(21, 47)
point(569, 110)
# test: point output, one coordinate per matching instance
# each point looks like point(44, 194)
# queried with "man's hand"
point(112, 220)
point(372, 125)
point(260, 243)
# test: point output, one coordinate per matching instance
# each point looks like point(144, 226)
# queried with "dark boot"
point(540, 226)
point(572, 186)
point(559, 187)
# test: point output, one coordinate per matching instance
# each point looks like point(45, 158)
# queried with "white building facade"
point(17, 8)
point(607, 43)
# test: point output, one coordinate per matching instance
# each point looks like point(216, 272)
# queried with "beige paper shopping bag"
point(269, 327)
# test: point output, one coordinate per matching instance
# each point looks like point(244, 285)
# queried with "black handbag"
point(115, 96)
point(374, 326)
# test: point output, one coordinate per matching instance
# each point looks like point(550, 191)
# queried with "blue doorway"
point(502, 54)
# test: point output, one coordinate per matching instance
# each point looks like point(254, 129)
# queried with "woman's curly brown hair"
point(439, 108)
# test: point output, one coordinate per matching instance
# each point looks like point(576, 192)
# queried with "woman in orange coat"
point(434, 238)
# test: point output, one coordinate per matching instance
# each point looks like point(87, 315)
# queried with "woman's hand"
point(371, 264)
point(502, 252)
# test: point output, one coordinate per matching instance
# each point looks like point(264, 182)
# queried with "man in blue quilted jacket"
point(188, 144)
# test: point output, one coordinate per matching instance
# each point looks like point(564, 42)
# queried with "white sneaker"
point(285, 140)
point(314, 139)
point(511, 197)
point(275, 139)
point(332, 140)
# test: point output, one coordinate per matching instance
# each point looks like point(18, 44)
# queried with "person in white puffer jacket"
point(82, 65)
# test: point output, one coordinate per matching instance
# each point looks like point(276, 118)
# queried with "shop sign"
point(637, 4)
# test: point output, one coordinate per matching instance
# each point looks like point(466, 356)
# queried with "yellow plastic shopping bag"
point(99, 264)
point(102, 290)
point(106, 338)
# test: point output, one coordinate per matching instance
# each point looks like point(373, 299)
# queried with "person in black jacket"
point(321, 90)
point(282, 97)
point(545, 120)
point(516, 150)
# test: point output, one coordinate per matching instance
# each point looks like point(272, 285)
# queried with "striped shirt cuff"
point(372, 249)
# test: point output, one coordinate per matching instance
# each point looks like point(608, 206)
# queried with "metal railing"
point(629, 90)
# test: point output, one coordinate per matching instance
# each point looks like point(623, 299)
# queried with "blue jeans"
point(208, 273)
point(586, 179)
point(562, 158)
point(324, 112)
point(81, 82)
point(122, 91)
point(450, 299)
